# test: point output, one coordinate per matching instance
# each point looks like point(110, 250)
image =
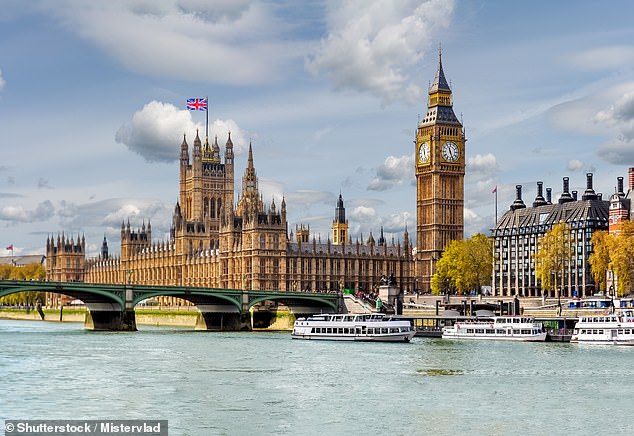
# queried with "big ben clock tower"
point(440, 169)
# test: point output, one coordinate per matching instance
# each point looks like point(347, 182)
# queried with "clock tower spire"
point(440, 169)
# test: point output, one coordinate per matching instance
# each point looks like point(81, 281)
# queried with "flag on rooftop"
point(10, 247)
point(495, 190)
point(197, 104)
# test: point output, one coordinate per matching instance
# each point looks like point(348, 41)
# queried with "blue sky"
point(92, 105)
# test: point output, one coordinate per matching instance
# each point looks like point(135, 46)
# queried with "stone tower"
point(440, 168)
point(206, 191)
point(339, 224)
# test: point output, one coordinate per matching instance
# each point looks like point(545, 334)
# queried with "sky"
point(329, 94)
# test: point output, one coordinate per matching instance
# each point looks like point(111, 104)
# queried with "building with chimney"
point(517, 235)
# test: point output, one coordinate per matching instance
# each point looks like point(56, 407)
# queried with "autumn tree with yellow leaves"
point(465, 265)
point(615, 253)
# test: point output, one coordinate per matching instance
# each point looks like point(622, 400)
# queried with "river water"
point(208, 383)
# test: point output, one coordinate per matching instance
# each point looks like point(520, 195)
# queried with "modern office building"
point(517, 235)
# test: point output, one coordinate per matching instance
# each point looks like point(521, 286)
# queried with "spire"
point(340, 211)
point(440, 82)
point(250, 162)
point(229, 142)
point(207, 151)
point(184, 151)
point(197, 152)
point(216, 150)
point(381, 238)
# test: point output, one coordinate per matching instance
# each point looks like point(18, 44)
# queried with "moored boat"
point(373, 327)
point(503, 328)
point(609, 329)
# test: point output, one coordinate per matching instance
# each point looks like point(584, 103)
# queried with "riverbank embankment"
point(158, 317)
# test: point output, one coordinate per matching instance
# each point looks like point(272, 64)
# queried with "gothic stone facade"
point(215, 244)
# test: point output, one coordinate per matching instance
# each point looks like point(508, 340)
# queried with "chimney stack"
point(619, 184)
point(589, 194)
point(518, 203)
point(631, 177)
point(539, 200)
point(565, 196)
point(549, 195)
point(574, 195)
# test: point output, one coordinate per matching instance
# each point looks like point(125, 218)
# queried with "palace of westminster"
point(218, 243)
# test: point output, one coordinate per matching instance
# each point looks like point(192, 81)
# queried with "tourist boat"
point(372, 327)
point(504, 328)
point(610, 329)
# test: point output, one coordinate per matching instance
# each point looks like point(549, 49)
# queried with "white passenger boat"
point(611, 329)
point(373, 327)
point(504, 328)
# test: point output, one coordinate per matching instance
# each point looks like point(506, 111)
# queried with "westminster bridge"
point(111, 306)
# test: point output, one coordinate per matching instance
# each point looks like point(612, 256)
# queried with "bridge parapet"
point(111, 306)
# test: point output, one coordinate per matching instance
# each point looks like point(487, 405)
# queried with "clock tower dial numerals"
point(450, 151)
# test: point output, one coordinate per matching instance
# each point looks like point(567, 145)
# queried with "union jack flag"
point(197, 104)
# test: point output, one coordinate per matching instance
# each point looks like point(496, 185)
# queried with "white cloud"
point(363, 214)
point(42, 212)
point(371, 44)
point(240, 42)
point(155, 132)
point(604, 58)
point(482, 166)
point(2, 81)
point(394, 171)
point(575, 165)
point(620, 116)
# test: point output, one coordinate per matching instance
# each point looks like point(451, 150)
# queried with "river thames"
point(264, 383)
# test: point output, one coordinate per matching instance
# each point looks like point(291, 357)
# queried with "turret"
point(197, 153)
point(184, 156)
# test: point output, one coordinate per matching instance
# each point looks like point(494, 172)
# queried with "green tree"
point(479, 259)
point(464, 266)
point(600, 258)
point(553, 256)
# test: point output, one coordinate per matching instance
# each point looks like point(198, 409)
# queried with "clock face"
point(423, 152)
point(450, 151)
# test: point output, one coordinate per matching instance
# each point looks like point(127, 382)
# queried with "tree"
point(464, 266)
point(600, 258)
point(32, 271)
point(479, 256)
point(622, 257)
point(553, 256)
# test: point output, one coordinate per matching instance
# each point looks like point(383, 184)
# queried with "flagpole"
point(496, 205)
point(207, 117)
